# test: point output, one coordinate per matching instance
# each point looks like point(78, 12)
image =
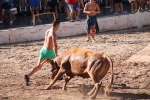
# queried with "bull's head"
point(54, 68)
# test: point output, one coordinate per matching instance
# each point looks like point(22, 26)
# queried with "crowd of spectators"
point(57, 5)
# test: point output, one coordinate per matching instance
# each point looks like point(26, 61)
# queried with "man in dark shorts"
point(91, 9)
point(6, 5)
point(53, 4)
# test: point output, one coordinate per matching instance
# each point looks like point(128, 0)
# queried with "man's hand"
point(92, 13)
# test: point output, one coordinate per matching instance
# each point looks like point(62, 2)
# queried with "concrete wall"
point(74, 28)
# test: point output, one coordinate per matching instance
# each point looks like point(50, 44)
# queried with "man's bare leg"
point(39, 66)
point(37, 12)
point(78, 14)
point(93, 33)
point(56, 12)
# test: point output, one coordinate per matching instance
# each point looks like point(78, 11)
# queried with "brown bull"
point(84, 63)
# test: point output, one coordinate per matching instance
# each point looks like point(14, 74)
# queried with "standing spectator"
point(91, 9)
point(6, 5)
point(117, 4)
point(98, 2)
point(24, 5)
point(112, 5)
point(62, 3)
point(133, 6)
point(53, 4)
point(141, 4)
point(74, 8)
point(147, 5)
point(81, 4)
point(44, 3)
point(35, 5)
point(106, 2)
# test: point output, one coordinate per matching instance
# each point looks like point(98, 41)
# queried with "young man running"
point(48, 51)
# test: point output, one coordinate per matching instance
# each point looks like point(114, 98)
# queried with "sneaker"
point(72, 20)
point(1, 22)
point(141, 10)
point(87, 40)
point(11, 22)
point(93, 40)
point(108, 7)
point(135, 11)
point(39, 21)
point(146, 9)
point(115, 13)
point(27, 79)
point(124, 12)
point(111, 10)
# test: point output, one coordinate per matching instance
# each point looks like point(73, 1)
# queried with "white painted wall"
point(74, 28)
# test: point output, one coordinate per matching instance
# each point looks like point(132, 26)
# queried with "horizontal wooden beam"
point(34, 16)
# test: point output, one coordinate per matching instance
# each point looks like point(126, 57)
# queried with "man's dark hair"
point(56, 23)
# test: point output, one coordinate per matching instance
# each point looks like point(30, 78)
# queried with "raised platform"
point(76, 28)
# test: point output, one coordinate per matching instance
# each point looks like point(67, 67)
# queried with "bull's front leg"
point(58, 75)
point(66, 81)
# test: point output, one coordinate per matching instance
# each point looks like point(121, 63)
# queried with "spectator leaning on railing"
point(6, 5)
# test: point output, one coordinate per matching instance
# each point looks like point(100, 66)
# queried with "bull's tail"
point(108, 88)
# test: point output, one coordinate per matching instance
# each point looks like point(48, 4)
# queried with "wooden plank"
point(34, 16)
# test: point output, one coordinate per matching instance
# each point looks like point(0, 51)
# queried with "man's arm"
point(54, 38)
point(97, 9)
point(85, 10)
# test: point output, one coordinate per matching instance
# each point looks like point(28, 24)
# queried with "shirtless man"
point(91, 9)
point(48, 51)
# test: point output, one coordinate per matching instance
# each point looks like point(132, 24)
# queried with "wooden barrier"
point(34, 16)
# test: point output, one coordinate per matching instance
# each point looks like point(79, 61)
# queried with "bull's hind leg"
point(59, 75)
point(97, 87)
point(92, 91)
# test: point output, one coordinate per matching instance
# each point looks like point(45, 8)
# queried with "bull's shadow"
point(84, 89)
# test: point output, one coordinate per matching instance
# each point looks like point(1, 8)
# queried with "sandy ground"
point(131, 80)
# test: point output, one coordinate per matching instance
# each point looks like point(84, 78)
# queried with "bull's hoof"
point(48, 88)
point(64, 89)
point(89, 94)
point(92, 97)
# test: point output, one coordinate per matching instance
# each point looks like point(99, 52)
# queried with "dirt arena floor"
point(131, 80)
